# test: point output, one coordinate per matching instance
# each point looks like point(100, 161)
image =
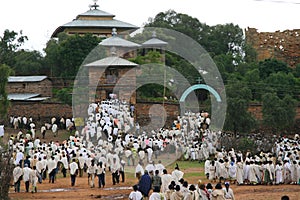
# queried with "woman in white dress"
point(278, 173)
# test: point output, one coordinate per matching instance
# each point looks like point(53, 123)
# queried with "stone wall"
point(284, 46)
point(256, 111)
point(42, 110)
point(147, 111)
point(46, 110)
point(44, 88)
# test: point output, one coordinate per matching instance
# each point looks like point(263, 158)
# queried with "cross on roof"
point(95, 6)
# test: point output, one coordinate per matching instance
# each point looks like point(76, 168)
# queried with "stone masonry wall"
point(44, 88)
point(42, 110)
point(284, 46)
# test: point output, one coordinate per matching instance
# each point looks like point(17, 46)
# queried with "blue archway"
point(200, 86)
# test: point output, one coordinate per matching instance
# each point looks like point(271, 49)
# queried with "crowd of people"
point(111, 141)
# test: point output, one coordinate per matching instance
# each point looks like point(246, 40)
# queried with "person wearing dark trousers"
point(122, 171)
point(73, 171)
point(101, 175)
point(115, 171)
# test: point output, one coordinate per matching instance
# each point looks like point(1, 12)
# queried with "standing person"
point(232, 170)
point(81, 160)
point(286, 172)
point(65, 165)
point(26, 178)
point(139, 170)
point(51, 165)
point(228, 192)
point(177, 174)
point(91, 174)
point(165, 180)
point(122, 171)
point(43, 131)
point(114, 168)
point(212, 171)
point(278, 173)
point(206, 168)
point(33, 176)
point(144, 185)
point(156, 180)
point(218, 193)
point(101, 174)
point(73, 171)
point(17, 174)
point(135, 194)
point(239, 172)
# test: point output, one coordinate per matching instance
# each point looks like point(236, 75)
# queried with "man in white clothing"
point(26, 173)
point(73, 171)
point(17, 174)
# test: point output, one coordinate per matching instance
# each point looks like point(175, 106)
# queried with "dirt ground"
point(61, 189)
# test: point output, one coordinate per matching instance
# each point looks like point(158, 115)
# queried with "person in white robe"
point(166, 179)
point(206, 168)
point(139, 171)
point(73, 171)
point(33, 176)
point(239, 172)
point(252, 175)
point(17, 176)
point(26, 176)
point(1, 130)
point(232, 171)
point(177, 174)
point(278, 173)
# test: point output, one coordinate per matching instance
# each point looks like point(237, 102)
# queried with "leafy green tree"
point(283, 84)
point(255, 84)
point(65, 55)
point(296, 71)
point(29, 63)
point(10, 42)
point(270, 66)
point(64, 95)
point(5, 72)
point(278, 114)
point(182, 23)
point(238, 119)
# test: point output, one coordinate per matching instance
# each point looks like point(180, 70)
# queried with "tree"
point(278, 114)
point(5, 72)
point(270, 66)
point(283, 84)
point(28, 63)
point(9, 44)
point(6, 168)
point(238, 119)
point(65, 55)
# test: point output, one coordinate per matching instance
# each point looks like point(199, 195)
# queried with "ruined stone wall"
point(145, 110)
point(40, 110)
point(44, 88)
point(284, 46)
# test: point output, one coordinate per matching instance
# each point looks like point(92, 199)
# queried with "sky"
point(38, 19)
